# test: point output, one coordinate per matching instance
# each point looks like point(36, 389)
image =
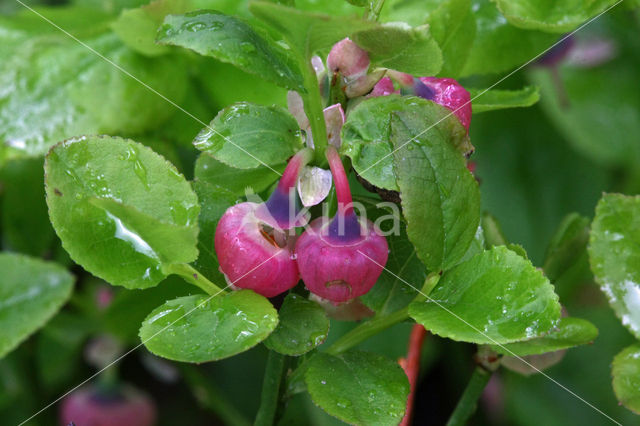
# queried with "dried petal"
point(363, 85)
point(317, 64)
point(314, 185)
point(334, 119)
point(296, 108)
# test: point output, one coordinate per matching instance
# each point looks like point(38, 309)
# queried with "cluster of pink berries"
point(352, 63)
point(338, 259)
point(341, 258)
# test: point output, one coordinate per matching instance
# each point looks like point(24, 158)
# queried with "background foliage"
point(535, 166)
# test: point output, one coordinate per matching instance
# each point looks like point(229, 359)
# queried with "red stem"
point(343, 193)
point(291, 172)
point(411, 366)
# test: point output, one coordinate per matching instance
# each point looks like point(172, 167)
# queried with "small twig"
point(469, 401)
point(271, 390)
point(373, 12)
point(411, 366)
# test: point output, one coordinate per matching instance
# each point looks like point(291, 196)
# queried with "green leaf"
point(626, 377)
point(231, 40)
point(247, 136)
point(496, 297)
point(359, 3)
point(367, 132)
point(25, 221)
point(567, 246)
point(414, 12)
point(212, 172)
point(203, 328)
point(499, 46)
point(122, 211)
point(599, 121)
point(402, 48)
point(391, 293)
point(614, 254)
point(336, 7)
point(551, 16)
point(214, 201)
point(440, 197)
point(358, 387)
point(307, 32)
point(453, 26)
point(57, 90)
point(137, 28)
point(79, 21)
point(110, 6)
point(501, 99)
point(31, 292)
point(568, 333)
point(303, 326)
point(239, 86)
point(170, 242)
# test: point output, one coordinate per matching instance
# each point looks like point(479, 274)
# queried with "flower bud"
point(348, 59)
point(252, 243)
point(122, 406)
point(341, 259)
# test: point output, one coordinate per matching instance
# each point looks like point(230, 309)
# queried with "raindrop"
point(248, 47)
point(194, 26)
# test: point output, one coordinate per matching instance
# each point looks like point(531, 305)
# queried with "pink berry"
point(125, 406)
point(348, 59)
point(252, 243)
point(341, 259)
point(448, 93)
point(384, 87)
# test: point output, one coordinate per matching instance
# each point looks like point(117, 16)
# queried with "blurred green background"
point(535, 166)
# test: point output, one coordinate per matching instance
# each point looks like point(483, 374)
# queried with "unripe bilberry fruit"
point(251, 240)
point(448, 93)
point(123, 406)
point(341, 259)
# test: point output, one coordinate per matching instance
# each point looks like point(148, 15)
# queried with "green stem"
point(429, 284)
point(270, 399)
point(469, 400)
point(313, 108)
point(373, 12)
point(192, 276)
point(356, 336)
point(362, 332)
point(366, 330)
point(211, 397)
point(379, 323)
